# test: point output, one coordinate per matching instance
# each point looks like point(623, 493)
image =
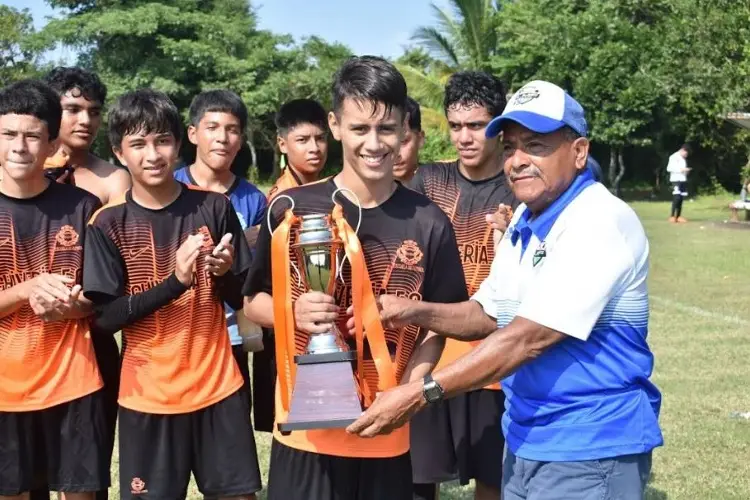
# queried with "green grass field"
point(700, 335)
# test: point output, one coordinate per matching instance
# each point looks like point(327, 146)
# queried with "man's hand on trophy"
point(394, 312)
point(315, 312)
point(220, 260)
point(186, 257)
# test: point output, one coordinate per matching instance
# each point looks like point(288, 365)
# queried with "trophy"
point(325, 391)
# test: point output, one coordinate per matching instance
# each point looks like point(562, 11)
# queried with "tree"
point(19, 57)
point(183, 47)
point(465, 38)
point(650, 73)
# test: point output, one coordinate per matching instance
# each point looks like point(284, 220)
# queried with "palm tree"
point(465, 38)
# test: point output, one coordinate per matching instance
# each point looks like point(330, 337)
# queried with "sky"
point(377, 27)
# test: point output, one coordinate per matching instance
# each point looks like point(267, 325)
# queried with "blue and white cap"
point(542, 107)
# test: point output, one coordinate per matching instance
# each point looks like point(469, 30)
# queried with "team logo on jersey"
point(67, 236)
point(526, 94)
point(409, 253)
point(138, 486)
point(540, 254)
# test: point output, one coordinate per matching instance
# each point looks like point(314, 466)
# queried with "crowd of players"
point(168, 256)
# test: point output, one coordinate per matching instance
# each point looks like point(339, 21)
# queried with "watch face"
point(432, 392)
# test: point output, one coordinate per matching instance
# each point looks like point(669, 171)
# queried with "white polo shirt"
point(580, 267)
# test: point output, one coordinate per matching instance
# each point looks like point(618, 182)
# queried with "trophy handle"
point(268, 213)
point(359, 205)
point(356, 230)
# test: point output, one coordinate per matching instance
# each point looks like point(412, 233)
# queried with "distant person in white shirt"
point(678, 172)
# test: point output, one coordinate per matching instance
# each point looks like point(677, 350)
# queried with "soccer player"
point(409, 249)
point(82, 95)
point(302, 136)
point(218, 119)
point(408, 160)
point(462, 436)
point(52, 424)
point(161, 262)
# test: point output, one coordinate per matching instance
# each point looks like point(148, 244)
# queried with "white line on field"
point(698, 311)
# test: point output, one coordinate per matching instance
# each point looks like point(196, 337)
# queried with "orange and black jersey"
point(287, 180)
point(176, 355)
point(44, 364)
point(466, 203)
point(410, 251)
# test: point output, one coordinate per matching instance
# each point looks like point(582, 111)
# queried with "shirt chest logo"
point(409, 253)
point(539, 254)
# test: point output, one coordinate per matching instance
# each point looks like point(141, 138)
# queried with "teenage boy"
point(409, 249)
point(461, 437)
point(302, 137)
point(218, 119)
point(52, 424)
point(82, 95)
point(408, 160)
point(161, 262)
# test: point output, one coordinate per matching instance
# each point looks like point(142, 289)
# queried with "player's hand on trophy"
point(186, 257)
point(220, 260)
point(500, 220)
point(393, 312)
point(315, 312)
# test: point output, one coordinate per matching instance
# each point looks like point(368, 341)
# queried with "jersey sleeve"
point(487, 294)
point(230, 223)
point(417, 182)
point(103, 267)
point(584, 270)
point(260, 209)
point(259, 276)
point(444, 276)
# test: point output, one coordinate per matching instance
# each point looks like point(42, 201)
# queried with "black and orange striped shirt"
point(410, 251)
point(177, 359)
point(44, 364)
point(466, 203)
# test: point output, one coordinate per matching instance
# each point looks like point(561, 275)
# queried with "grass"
point(699, 333)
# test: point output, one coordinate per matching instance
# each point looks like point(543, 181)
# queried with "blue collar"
point(540, 225)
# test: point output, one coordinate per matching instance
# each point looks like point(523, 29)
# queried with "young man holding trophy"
point(330, 249)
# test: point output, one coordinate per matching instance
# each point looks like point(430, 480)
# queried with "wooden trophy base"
point(325, 394)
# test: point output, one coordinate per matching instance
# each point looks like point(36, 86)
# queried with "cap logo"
point(525, 95)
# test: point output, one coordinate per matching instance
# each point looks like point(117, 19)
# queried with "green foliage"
point(19, 58)
point(437, 147)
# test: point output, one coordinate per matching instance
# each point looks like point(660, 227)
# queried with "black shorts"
point(264, 384)
point(62, 448)
point(158, 452)
point(302, 475)
point(460, 438)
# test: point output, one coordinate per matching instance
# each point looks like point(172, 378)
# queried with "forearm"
point(12, 299)
point(461, 321)
point(497, 356)
point(259, 309)
point(425, 357)
point(113, 315)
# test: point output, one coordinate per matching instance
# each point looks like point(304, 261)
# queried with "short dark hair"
point(415, 115)
point(218, 101)
point(300, 111)
point(143, 111)
point(687, 148)
point(34, 98)
point(475, 88)
point(63, 80)
point(369, 79)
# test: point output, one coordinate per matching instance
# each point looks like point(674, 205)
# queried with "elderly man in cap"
point(564, 318)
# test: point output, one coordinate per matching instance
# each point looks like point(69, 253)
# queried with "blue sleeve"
point(260, 208)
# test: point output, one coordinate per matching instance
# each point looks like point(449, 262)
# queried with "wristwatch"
point(431, 390)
